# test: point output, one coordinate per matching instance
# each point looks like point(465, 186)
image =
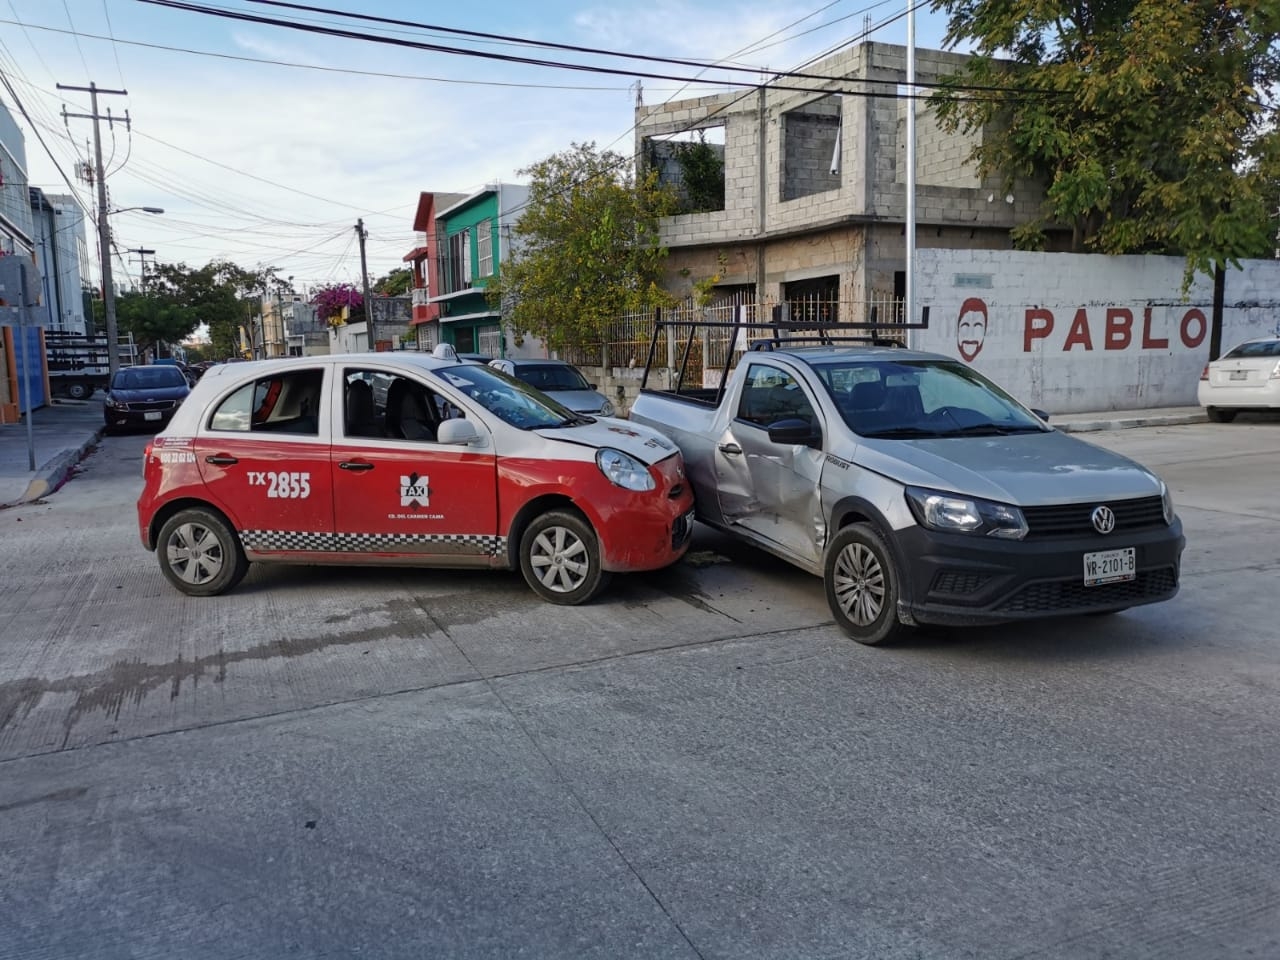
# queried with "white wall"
point(1079, 332)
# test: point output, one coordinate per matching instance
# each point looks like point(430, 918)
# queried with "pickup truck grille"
point(1073, 519)
point(1055, 596)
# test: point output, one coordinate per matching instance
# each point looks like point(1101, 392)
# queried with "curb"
point(1128, 423)
point(54, 474)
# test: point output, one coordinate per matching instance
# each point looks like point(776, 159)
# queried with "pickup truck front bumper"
point(955, 579)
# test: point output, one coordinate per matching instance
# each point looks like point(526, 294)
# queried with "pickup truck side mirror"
point(460, 432)
point(1041, 414)
point(795, 431)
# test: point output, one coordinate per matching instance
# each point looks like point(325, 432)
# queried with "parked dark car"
point(144, 396)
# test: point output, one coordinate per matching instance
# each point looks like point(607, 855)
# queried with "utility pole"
point(369, 323)
point(104, 228)
point(143, 253)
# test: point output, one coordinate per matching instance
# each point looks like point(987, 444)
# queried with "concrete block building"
point(815, 184)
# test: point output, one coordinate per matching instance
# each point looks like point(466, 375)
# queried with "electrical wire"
point(529, 61)
point(323, 69)
point(546, 44)
point(115, 51)
point(79, 49)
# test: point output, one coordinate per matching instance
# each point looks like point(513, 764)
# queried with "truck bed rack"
point(783, 334)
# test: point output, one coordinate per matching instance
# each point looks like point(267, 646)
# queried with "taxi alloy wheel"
point(199, 554)
point(560, 558)
point(862, 585)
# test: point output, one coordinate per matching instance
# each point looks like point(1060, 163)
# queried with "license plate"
point(1110, 566)
point(1239, 374)
point(151, 415)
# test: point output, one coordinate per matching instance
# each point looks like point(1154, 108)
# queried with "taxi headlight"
point(949, 513)
point(624, 470)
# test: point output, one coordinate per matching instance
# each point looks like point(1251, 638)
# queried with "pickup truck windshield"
point(507, 398)
point(921, 399)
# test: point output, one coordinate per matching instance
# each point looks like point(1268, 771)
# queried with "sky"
point(272, 163)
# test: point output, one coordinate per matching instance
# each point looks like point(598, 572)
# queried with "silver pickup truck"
point(920, 491)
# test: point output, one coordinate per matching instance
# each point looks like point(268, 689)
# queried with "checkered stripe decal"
point(291, 540)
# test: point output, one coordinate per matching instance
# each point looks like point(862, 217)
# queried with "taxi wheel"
point(1218, 415)
point(862, 585)
point(560, 558)
point(199, 554)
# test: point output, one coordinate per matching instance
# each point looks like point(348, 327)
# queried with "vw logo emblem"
point(1104, 521)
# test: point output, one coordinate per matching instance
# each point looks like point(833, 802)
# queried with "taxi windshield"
point(507, 398)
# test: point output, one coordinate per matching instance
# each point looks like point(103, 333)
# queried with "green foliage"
point(397, 283)
point(1157, 134)
point(702, 173)
point(154, 318)
point(221, 294)
point(586, 248)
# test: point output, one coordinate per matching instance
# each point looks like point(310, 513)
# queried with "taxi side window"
point(282, 403)
point(380, 405)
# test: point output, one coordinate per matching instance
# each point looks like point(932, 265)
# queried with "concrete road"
point(343, 762)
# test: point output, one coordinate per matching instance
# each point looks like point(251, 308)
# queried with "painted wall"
point(1075, 332)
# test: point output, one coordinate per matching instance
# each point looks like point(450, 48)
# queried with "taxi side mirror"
point(462, 432)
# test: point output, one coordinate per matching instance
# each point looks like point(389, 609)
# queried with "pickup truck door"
point(772, 490)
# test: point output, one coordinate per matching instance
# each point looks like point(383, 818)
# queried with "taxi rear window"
point(280, 403)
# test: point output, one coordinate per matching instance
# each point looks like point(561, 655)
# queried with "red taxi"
point(405, 459)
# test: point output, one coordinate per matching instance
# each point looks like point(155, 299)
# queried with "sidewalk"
point(65, 430)
point(62, 432)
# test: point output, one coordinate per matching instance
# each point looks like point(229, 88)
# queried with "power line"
point(530, 61)
point(79, 49)
point(323, 69)
point(115, 52)
point(547, 44)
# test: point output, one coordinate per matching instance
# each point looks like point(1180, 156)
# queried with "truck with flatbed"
point(920, 491)
point(79, 364)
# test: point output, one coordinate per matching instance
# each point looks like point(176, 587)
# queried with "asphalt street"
point(340, 762)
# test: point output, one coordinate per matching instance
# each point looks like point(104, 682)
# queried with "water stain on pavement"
point(132, 681)
point(71, 793)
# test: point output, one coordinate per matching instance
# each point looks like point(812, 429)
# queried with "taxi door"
point(264, 460)
point(400, 495)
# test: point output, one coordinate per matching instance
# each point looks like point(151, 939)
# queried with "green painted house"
point(473, 237)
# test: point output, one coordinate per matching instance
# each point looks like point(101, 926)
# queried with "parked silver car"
point(561, 381)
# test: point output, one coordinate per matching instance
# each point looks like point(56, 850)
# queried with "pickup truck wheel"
point(560, 558)
point(199, 554)
point(862, 585)
point(79, 390)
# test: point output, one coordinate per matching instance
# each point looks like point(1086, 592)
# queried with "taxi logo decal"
point(414, 492)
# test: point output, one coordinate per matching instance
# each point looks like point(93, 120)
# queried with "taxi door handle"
point(221, 459)
point(355, 465)
point(730, 449)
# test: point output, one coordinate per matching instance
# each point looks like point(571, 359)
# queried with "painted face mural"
point(971, 328)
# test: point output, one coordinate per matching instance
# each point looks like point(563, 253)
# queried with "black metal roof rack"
point(799, 333)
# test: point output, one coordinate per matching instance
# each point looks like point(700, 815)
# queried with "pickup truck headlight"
point(1166, 499)
point(624, 470)
point(949, 513)
point(606, 409)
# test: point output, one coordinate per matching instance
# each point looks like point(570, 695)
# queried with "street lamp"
point(108, 290)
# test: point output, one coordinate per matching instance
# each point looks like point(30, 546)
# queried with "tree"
point(586, 247)
point(224, 296)
point(331, 300)
point(1151, 122)
point(154, 318)
point(397, 283)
